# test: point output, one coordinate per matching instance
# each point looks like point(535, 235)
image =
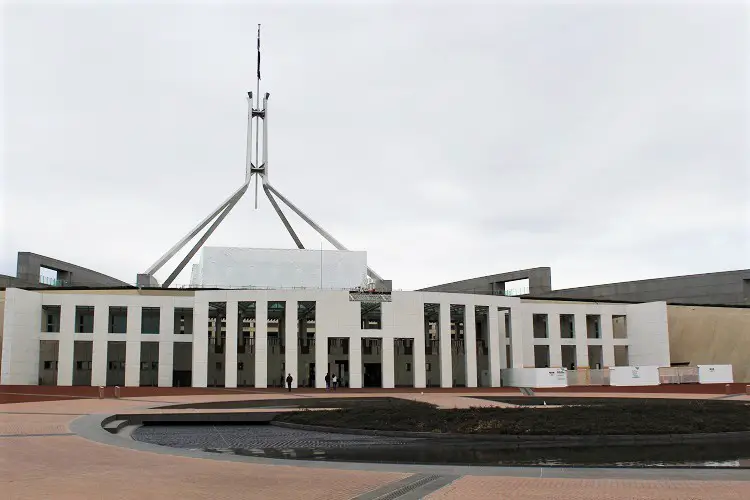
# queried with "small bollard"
point(727, 389)
point(101, 392)
point(117, 392)
point(747, 389)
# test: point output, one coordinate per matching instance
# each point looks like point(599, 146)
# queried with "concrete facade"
point(28, 272)
point(540, 281)
point(711, 335)
point(722, 288)
point(154, 337)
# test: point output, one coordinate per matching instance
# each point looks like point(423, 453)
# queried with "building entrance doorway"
point(373, 375)
point(341, 369)
point(311, 375)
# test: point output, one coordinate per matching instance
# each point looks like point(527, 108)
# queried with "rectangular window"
point(371, 313)
point(51, 319)
point(540, 326)
point(183, 321)
point(84, 319)
point(619, 327)
point(428, 367)
point(118, 319)
point(240, 366)
point(567, 326)
point(593, 326)
point(150, 320)
point(408, 367)
point(48, 365)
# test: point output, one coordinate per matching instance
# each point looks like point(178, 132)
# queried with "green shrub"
point(578, 417)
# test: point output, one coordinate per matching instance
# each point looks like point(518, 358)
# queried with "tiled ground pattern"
point(512, 488)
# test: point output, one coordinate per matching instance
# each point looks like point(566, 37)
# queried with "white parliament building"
point(250, 317)
point(222, 335)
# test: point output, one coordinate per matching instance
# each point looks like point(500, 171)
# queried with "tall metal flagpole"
point(257, 129)
point(258, 111)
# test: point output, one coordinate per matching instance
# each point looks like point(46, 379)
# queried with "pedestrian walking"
point(335, 381)
point(328, 381)
point(289, 380)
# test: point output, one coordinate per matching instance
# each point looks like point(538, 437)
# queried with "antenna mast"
point(257, 105)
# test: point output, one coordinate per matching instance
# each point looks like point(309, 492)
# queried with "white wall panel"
point(21, 333)
point(715, 374)
point(280, 268)
point(648, 334)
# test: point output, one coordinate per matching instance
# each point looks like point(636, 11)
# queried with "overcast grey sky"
point(606, 140)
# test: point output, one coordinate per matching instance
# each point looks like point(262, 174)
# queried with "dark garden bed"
point(583, 417)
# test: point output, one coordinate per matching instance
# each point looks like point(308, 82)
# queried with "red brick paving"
point(63, 467)
point(507, 488)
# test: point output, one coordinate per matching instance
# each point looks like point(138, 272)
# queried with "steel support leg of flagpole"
point(333, 241)
point(190, 235)
point(201, 241)
point(283, 218)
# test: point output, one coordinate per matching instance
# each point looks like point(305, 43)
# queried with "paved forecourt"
point(41, 457)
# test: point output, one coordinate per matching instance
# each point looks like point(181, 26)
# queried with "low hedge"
point(620, 416)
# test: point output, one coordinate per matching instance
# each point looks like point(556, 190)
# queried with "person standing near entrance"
point(289, 380)
point(328, 381)
point(335, 381)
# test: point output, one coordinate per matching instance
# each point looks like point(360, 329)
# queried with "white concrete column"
point(133, 347)
point(166, 363)
point(446, 362)
point(355, 362)
point(419, 369)
point(321, 357)
point(582, 345)
point(555, 341)
point(230, 348)
point(470, 345)
point(99, 346)
point(261, 344)
point(166, 345)
point(389, 363)
point(527, 349)
point(65, 345)
point(291, 334)
point(132, 363)
point(608, 341)
point(166, 320)
point(502, 339)
point(517, 337)
point(493, 332)
point(200, 343)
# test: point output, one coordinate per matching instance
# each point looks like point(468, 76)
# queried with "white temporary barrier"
point(715, 374)
point(535, 377)
point(633, 375)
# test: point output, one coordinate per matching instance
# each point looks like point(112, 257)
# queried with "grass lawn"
point(587, 417)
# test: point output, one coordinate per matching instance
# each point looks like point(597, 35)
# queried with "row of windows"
point(112, 365)
point(567, 326)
